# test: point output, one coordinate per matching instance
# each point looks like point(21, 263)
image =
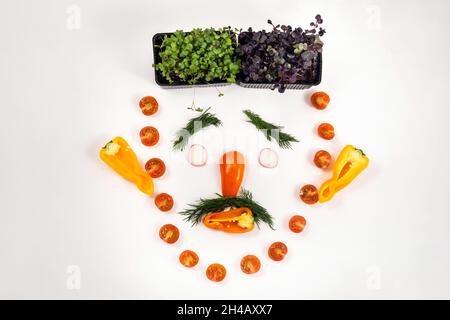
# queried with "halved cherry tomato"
point(149, 136)
point(188, 258)
point(322, 159)
point(297, 224)
point(216, 272)
point(164, 202)
point(320, 100)
point(155, 167)
point(309, 194)
point(250, 264)
point(169, 233)
point(326, 131)
point(148, 105)
point(277, 251)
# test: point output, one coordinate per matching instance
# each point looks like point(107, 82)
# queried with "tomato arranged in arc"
point(322, 159)
point(309, 194)
point(320, 100)
point(216, 272)
point(250, 264)
point(148, 105)
point(188, 258)
point(149, 136)
point(164, 202)
point(326, 131)
point(155, 167)
point(297, 223)
point(277, 251)
point(169, 233)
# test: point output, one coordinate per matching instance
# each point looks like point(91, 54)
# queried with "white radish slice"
point(268, 158)
point(197, 156)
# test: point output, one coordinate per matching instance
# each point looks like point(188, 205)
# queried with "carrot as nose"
point(232, 169)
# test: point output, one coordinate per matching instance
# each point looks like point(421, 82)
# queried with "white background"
point(65, 92)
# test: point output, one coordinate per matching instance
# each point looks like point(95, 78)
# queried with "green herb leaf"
point(194, 125)
point(270, 130)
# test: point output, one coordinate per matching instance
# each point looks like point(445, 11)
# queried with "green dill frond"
point(270, 130)
point(202, 121)
point(195, 212)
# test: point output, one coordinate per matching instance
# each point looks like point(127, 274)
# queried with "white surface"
point(66, 92)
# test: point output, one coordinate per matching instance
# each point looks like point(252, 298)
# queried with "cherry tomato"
point(155, 167)
point(164, 202)
point(297, 224)
point(322, 159)
point(326, 131)
point(309, 194)
point(148, 105)
point(188, 258)
point(216, 272)
point(250, 264)
point(169, 233)
point(149, 136)
point(277, 251)
point(320, 100)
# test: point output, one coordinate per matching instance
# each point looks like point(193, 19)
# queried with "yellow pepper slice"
point(350, 163)
point(121, 158)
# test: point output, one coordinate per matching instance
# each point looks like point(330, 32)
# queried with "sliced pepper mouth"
point(245, 220)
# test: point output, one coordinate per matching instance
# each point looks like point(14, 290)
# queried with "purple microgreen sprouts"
point(281, 56)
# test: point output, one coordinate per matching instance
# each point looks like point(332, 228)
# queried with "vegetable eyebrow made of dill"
point(194, 125)
point(196, 211)
point(270, 130)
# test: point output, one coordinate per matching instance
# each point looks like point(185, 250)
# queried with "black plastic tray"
point(290, 86)
point(157, 40)
point(295, 86)
point(162, 82)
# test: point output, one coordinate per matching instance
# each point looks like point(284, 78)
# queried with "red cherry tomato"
point(250, 264)
point(149, 136)
point(148, 105)
point(277, 251)
point(320, 100)
point(297, 224)
point(188, 258)
point(169, 233)
point(155, 167)
point(216, 272)
point(164, 202)
point(309, 194)
point(322, 159)
point(326, 131)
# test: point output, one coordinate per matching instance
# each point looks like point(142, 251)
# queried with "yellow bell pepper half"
point(121, 158)
point(350, 163)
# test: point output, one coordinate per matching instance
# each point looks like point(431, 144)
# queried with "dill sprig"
point(194, 125)
point(245, 199)
point(270, 130)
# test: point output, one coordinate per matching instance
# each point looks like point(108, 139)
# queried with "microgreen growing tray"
point(162, 82)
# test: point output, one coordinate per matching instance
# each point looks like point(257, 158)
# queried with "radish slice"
point(197, 156)
point(268, 158)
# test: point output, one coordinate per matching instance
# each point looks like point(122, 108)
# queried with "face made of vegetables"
point(235, 211)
